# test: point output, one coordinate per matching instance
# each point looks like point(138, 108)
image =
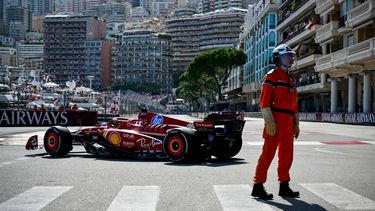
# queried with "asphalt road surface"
point(333, 169)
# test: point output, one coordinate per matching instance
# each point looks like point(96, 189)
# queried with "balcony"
point(324, 63)
point(301, 35)
point(323, 5)
point(339, 58)
point(307, 61)
point(361, 13)
point(361, 52)
point(294, 12)
point(327, 31)
point(356, 54)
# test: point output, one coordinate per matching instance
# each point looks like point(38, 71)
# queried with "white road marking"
point(22, 158)
point(368, 142)
point(35, 198)
point(296, 143)
point(340, 197)
point(136, 198)
point(238, 197)
point(329, 152)
point(6, 163)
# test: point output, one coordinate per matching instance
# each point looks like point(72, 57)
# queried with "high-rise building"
point(195, 33)
point(260, 38)
point(66, 46)
point(3, 16)
point(142, 56)
point(347, 38)
point(97, 63)
point(41, 7)
point(18, 22)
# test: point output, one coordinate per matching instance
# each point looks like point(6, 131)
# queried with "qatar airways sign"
point(346, 118)
point(45, 118)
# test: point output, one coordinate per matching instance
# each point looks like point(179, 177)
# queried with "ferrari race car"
point(152, 135)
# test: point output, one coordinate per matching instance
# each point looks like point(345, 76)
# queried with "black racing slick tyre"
point(226, 149)
point(58, 141)
point(175, 146)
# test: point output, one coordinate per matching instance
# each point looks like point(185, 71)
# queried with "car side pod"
point(32, 143)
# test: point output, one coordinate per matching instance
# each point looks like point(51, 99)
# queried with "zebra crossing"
point(231, 197)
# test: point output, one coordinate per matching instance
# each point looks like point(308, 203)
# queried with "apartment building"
point(66, 46)
point(162, 8)
point(111, 12)
point(28, 51)
point(192, 34)
point(142, 56)
point(297, 26)
point(225, 4)
point(260, 38)
point(347, 38)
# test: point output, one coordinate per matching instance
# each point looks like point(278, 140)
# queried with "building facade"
point(297, 27)
point(226, 4)
point(65, 53)
point(260, 38)
point(192, 34)
point(347, 38)
point(111, 12)
point(8, 56)
point(162, 8)
point(142, 56)
point(97, 63)
point(28, 51)
point(17, 22)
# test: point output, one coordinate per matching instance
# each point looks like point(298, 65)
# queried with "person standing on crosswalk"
point(278, 103)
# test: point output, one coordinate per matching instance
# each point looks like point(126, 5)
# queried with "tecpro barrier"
point(9, 118)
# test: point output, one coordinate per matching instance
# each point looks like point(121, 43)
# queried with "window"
point(350, 40)
point(272, 39)
point(272, 20)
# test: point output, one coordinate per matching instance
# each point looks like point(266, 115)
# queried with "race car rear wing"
point(213, 120)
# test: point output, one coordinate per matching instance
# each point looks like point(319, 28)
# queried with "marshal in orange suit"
point(279, 106)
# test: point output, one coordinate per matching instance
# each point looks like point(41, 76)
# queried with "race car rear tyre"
point(175, 146)
point(58, 141)
point(226, 149)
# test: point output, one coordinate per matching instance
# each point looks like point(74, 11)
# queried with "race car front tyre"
point(58, 141)
point(225, 149)
point(175, 146)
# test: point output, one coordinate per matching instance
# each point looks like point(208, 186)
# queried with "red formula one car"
point(152, 135)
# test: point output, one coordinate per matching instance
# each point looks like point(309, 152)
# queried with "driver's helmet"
point(281, 49)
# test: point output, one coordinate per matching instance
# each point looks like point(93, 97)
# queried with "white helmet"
point(283, 49)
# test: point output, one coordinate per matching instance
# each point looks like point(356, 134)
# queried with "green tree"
point(210, 70)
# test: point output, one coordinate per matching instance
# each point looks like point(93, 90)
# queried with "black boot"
point(260, 192)
point(285, 190)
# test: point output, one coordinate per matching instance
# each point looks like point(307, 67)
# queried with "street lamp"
point(90, 77)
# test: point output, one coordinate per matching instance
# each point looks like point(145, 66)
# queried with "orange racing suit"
point(278, 93)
